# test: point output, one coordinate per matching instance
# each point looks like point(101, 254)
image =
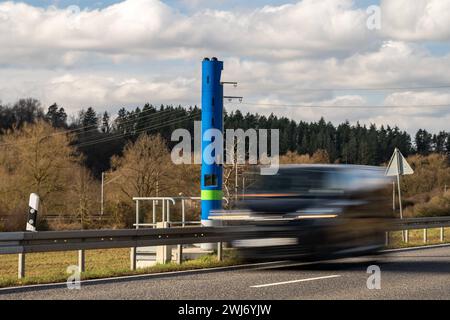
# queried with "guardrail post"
point(442, 234)
point(21, 266)
point(180, 254)
point(163, 253)
point(81, 261)
point(387, 238)
point(168, 211)
point(133, 259)
point(406, 236)
point(425, 235)
point(219, 251)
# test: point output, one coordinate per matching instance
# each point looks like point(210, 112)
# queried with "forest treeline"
point(62, 159)
point(100, 136)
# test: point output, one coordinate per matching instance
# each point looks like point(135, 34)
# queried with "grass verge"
point(52, 267)
point(416, 238)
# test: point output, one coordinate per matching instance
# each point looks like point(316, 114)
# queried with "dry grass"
point(51, 267)
point(416, 238)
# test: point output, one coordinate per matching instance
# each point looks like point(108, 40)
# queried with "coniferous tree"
point(447, 145)
point(423, 142)
point(89, 119)
point(105, 123)
point(439, 141)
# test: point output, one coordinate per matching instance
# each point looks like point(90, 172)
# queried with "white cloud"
point(74, 91)
point(394, 65)
point(151, 28)
point(418, 20)
point(117, 55)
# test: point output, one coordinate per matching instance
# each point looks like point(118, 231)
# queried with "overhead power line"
point(347, 106)
point(132, 133)
point(94, 127)
point(155, 118)
point(411, 88)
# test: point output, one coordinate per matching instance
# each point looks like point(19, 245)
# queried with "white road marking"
point(294, 281)
point(145, 276)
point(430, 246)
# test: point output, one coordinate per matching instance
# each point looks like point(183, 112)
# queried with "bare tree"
point(144, 169)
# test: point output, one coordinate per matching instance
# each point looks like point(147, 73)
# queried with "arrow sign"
point(398, 166)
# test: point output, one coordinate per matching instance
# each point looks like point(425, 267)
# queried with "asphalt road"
point(417, 274)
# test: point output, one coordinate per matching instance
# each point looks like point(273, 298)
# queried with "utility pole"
point(102, 195)
point(231, 98)
point(236, 181)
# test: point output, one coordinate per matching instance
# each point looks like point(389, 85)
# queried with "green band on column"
point(212, 195)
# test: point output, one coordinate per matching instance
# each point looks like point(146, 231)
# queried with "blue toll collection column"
point(212, 118)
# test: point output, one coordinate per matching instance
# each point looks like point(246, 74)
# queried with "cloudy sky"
point(302, 59)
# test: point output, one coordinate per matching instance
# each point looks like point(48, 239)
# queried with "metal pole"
point(154, 213)
point(168, 211)
point(183, 217)
point(133, 259)
point(102, 195)
point(236, 181)
point(21, 267)
point(398, 182)
point(163, 211)
point(393, 196)
point(425, 235)
point(406, 236)
point(137, 214)
point(180, 254)
point(133, 255)
point(399, 197)
point(219, 251)
point(81, 261)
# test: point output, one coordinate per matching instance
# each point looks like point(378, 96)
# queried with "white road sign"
point(398, 165)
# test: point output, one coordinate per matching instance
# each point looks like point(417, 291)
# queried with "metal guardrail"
point(22, 243)
point(421, 223)
point(405, 225)
point(52, 241)
point(49, 241)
